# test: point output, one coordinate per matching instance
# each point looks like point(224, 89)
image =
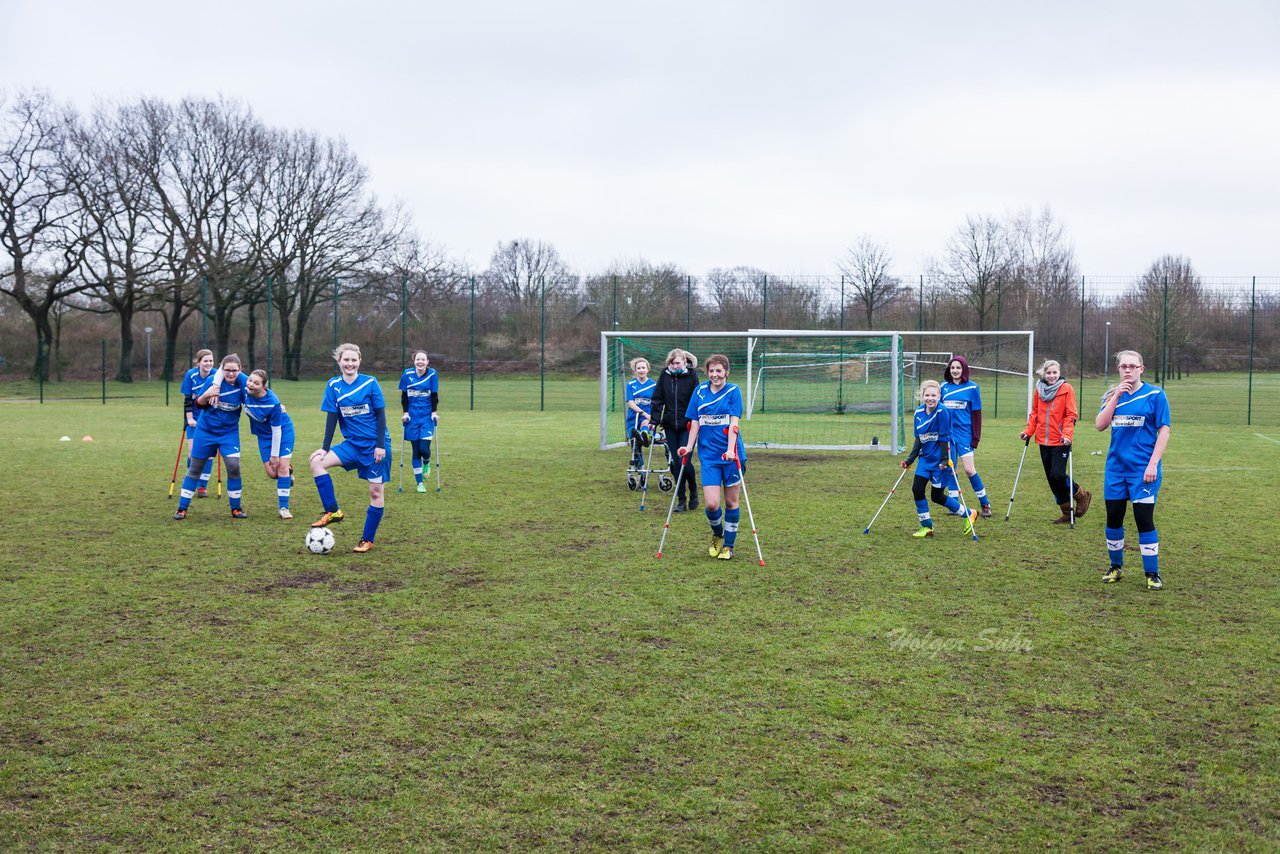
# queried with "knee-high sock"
point(922, 511)
point(371, 519)
point(981, 491)
point(1115, 545)
point(208, 470)
point(417, 462)
point(716, 520)
point(324, 485)
point(1149, 543)
point(188, 492)
point(233, 491)
point(284, 484)
point(731, 517)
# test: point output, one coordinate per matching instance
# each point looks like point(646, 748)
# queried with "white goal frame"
point(752, 337)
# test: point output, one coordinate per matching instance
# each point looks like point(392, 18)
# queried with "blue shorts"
point(415, 431)
point(722, 473)
point(1129, 487)
point(360, 458)
point(191, 431)
point(939, 478)
point(960, 450)
point(286, 444)
point(204, 444)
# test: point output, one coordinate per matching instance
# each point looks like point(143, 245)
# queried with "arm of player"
point(404, 405)
point(731, 452)
point(211, 396)
point(914, 455)
point(686, 450)
point(435, 406)
point(1162, 441)
point(380, 452)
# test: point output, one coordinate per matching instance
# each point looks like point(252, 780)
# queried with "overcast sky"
point(713, 134)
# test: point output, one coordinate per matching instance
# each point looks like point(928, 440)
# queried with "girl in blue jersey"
point(714, 410)
point(218, 432)
point(933, 426)
point(960, 396)
point(420, 400)
point(194, 382)
point(639, 400)
point(353, 401)
point(273, 428)
point(1138, 415)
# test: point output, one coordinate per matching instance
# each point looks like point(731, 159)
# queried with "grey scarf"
point(1046, 391)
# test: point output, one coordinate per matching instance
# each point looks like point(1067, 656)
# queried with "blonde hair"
point(926, 384)
point(342, 348)
point(1045, 366)
point(200, 354)
point(637, 360)
point(1134, 353)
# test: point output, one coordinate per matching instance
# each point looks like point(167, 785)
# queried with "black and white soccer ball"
point(320, 541)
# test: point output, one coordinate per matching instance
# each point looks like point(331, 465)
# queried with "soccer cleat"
point(285, 514)
point(180, 515)
point(422, 487)
point(986, 511)
point(238, 513)
point(363, 546)
point(968, 523)
point(426, 470)
point(201, 492)
point(923, 532)
point(1154, 582)
point(1112, 575)
point(329, 518)
point(713, 550)
point(726, 553)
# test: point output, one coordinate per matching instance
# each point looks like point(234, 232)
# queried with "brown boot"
point(1083, 497)
point(1065, 518)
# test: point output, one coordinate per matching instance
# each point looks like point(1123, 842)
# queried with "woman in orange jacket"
point(1052, 424)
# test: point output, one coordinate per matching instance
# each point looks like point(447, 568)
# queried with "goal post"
point(802, 389)
point(825, 389)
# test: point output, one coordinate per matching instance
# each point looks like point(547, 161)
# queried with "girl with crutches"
point(1052, 424)
point(713, 413)
point(932, 449)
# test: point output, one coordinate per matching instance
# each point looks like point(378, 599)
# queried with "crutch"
point(219, 473)
point(742, 476)
point(867, 530)
point(1026, 443)
point(181, 441)
point(667, 525)
point(435, 441)
point(400, 488)
point(1071, 484)
point(648, 465)
point(964, 508)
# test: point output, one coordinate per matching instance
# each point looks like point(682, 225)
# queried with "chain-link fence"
point(1212, 342)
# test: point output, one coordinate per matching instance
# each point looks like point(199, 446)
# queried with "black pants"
point(676, 439)
point(1144, 515)
point(1054, 458)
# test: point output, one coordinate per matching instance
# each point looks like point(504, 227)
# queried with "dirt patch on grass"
point(299, 581)
point(371, 586)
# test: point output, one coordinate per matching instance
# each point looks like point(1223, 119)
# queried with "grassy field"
point(511, 667)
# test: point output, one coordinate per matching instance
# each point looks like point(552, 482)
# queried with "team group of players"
point(947, 430)
point(353, 402)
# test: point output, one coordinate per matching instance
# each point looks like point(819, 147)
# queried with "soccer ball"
point(320, 541)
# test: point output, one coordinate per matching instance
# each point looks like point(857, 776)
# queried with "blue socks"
point(716, 520)
point(1115, 545)
point(371, 519)
point(1149, 543)
point(978, 489)
point(324, 485)
point(284, 484)
point(922, 511)
point(731, 525)
point(233, 491)
point(188, 492)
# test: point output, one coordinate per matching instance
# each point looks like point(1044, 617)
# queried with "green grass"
point(512, 668)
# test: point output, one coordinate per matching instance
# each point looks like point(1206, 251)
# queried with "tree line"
point(197, 213)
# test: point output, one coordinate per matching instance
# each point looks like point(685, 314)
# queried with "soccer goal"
point(821, 389)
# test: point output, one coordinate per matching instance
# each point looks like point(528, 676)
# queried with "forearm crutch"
point(400, 488)
point(964, 508)
point(181, 441)
point(742, 476)
point(667, 525)
point(648, 464)
point(435, 440)
point(219, 472)
point(1026, 443)
point(867, 529)
point(1071, 485)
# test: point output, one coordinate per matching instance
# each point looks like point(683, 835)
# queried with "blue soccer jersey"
point(642, 394)
point(712, 410)
point(224, 416)
point(419, 389)
point(1135, 425)
point(932, 429)
point(268, 419)
point(355, 403)
point(194, 385)
point(961, 401)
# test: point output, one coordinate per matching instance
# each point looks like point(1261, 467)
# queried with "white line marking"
point(1268, 438)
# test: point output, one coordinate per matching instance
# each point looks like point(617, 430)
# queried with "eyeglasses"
point(1130, 367)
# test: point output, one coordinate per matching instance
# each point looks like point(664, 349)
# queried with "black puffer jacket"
point(671, 397)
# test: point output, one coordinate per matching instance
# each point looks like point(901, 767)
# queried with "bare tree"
point(1167, 301)
point(865, 267)
point(1043, 283)
point(41, 227)
point(648, 296)
point(975, 264)
point(521, 275)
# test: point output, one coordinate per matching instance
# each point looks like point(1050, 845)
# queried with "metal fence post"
point(473, 342)
point(1253, 311)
